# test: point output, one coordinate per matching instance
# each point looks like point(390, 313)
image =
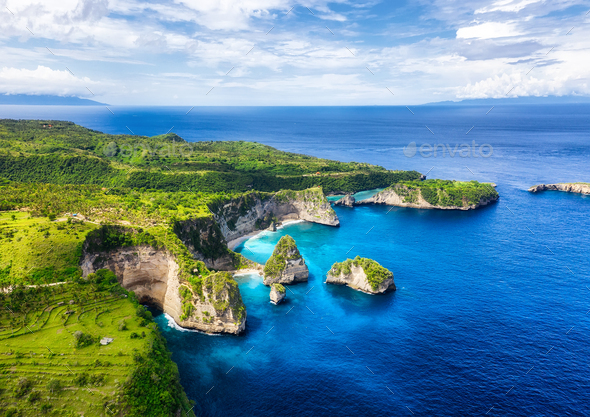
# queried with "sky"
point(280, 52)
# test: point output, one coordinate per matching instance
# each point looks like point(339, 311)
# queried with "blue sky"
point(317, 53)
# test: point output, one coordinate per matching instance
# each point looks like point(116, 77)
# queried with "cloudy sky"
point(280, 52)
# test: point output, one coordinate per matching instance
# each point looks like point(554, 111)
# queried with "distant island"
point(571, 187)
point(514, 101)
point(46, 100)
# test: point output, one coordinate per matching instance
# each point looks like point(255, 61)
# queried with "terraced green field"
point(45, 369)
point(35, 250)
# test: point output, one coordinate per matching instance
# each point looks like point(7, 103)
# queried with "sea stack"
point(277, 293)
point(347, 201)
point(362, 274)
point(286, 265)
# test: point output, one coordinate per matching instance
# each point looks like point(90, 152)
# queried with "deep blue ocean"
point(490, 316)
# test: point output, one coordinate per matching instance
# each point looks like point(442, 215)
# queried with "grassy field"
point(36, 250)
point(46, 370)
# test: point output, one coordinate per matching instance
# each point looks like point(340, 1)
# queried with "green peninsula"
point(436, 194)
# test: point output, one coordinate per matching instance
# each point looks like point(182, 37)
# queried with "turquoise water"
point(491, 307)
point(479, 302)
point(361, 195)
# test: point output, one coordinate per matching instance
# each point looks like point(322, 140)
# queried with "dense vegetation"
point(376, 274)
point(279, 287)
point(69, 154)
point(51, 361)
point(445, 193)
point(65, 189)
point(285, 250)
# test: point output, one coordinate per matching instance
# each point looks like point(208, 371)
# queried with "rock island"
point(286, 265)
point(362, 274)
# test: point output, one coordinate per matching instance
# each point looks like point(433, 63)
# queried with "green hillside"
point(52, 362)
point(66, 153)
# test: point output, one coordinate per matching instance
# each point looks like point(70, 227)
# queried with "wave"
point(175, 326)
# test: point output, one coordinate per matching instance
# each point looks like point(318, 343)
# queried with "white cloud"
point(506, 6)
point(231, 14)
point(187, 46)
point(489, 30)
point(43, 80)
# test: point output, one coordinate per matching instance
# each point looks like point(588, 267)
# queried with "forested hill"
point(59, 152)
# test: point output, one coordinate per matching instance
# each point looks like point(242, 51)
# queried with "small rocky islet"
point(277, 293)
point(362, 274)
point(285, 265)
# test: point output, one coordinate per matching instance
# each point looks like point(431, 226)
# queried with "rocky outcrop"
point(207, 237)
point(403, 196)
point(213, 304)
point(206, 242)
point(581, 188)
point(277, 293)
point(153, 275)
point(362, 274)
point(286, 265)
point(347, 201)
point(256, 211)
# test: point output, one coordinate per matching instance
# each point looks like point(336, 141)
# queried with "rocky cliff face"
point(363, 275)
point(286, 265)
point(567, 187)
point(347, 201)
point(214, 305)
point(206, 242)
point(207, 238)
point(244, 215)
point(391, 197)
point(153, 274)
point(277, 293)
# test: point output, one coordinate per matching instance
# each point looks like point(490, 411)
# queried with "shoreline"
point(247, 271)
point(232, 244)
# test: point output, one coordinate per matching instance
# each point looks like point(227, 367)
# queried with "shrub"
point(54, 386)
point(12, 412)
point(122, 325)
point(34, 396)
point(83, 339)
point(144, 313)
point(22, 387)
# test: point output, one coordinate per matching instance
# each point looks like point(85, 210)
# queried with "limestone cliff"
point(213, 304)
point(154, 276)
point(406, 196)
point(581, 188)
point(207, 238)
point(256, 211)
point(206, 242)
point(286, 265)
point(362, 274)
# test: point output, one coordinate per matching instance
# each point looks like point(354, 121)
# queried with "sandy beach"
point(232, 244)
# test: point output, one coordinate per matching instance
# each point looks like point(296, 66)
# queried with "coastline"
point(232, 244)
point(247, 271)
